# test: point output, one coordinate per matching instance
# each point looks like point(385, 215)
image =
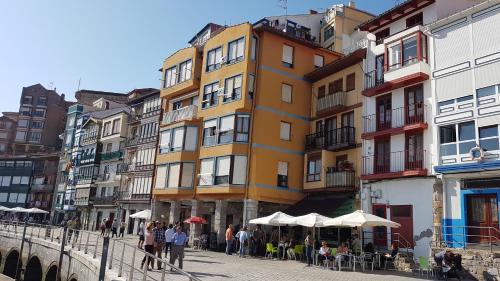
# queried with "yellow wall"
point(178, 57)
point(353, 100)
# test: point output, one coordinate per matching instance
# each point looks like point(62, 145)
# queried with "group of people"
point(110, 225)
point(245, 241)
point(156, 237)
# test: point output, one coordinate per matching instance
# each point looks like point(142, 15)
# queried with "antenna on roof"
point(51, 84)
point(79, 81)
point(284, 5)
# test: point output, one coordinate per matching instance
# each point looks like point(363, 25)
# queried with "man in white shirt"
point(169, 234)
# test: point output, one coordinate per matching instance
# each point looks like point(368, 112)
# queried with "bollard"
point(131, 275)
point(104, 257)
point(121, 261)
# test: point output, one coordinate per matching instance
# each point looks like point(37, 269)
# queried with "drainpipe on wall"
point(252, 117)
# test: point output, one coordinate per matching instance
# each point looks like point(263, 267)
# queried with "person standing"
point(103, 227)
point(141, 235)
point(169, 234)
point(159, 242)
point(114, 228)
point(243, 237)
point(78, 225)
point(229, 239)
point(257, 237)
point(123, 225)
point(178, 242)
point(149, 246)
point(109, 223)
point(309, 247)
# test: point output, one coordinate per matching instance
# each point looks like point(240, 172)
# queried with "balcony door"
point(414, 99)
point(331, 130)
point(382, 156)
point(482, 217)
point(379, 69)
point(384, 112)
point(414, 152)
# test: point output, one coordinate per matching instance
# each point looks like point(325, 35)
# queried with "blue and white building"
point(465, 76)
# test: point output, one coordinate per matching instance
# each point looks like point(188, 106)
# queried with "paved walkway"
point(208, 265)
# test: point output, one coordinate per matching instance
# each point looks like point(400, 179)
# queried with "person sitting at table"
point(390, 256)
point(341, 251)
point(324, 252)
point(289, 248)
point(369, 248)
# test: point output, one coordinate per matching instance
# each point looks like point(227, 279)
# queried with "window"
point(287, 57)
point(253, 50)
point(209, 132)
point(232, 88)
point(286, 93)
point(328, 33)
point(13, 197)
point(3, 135)
point(484, 92)
point(37, 125)
point(20, 136)
point(184, 71)
point(187, 175)
point(236, 50)
point(449, 105)
point(222, 170)
point(210, 94)
point(25, 111)
point(177, 139)
point(42, 101)
point(206, 171)
point(5, 180)
point(350, 82)
point(173, 175)
point(335, 86)
point(314, 169)
point(251, 85)
point(39, 113)
point(488, 138)
point(410, 50)
point(466, 137)
point(242, 128)
point(170, 76)
point(25, 180)
point(23, 123)
point(3, 197)
point(321, 92)
point(27, 99)
point(282, 174)
point(21, 198)
point(177, 105)
point(414, 20)
point(381, 35)
point(394, 56)
point(109, 147)
point(285, 130)
point(34, 136)
point(116, 126)
point(447, 139)
point(165, 141)
point(348, 119)
point(214, 59)
point(318, 61)
point(226, 129)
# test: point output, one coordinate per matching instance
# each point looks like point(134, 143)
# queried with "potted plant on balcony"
point(346, 166)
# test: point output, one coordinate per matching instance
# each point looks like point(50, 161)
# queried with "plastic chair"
point(423, 265)
point(299, 251)
point(369, 259)
point(270, 250)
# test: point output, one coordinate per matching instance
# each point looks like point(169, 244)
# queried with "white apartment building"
point(397, 180)
point(466, 87)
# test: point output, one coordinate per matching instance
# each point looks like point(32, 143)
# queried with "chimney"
point(313, 12)
point(352, 4)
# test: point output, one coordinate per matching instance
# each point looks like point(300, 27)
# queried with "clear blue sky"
point(114, 45)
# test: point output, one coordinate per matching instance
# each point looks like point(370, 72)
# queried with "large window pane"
point(173, 175)
point(239, 169)
point(465, 147)
point(178, 139)
point(395, 56)
point(490, 131)
point(223, 167)
point(206, 171)
point(161, 176)
point(226, 129)
point(489, 144)
point(410, 50)
point(447, 134)
point(187, 174)
point(449, 149)
point(484, 92)
point(466, 131)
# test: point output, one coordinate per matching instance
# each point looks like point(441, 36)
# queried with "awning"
point(326, 205)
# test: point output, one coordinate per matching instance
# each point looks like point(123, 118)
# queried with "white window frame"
point(287, 56)
point(286, 92)
point(285, 130)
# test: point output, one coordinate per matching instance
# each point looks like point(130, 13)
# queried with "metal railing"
point(342, 179)
point(332, 139)
point(185, 113)
point(374, 78)
point(122, 257)
point(467, 237)
point(398, 161)
point(395, 118)
point(396, 237)
point(331, 101)
point(136, 140)
point(115, 155)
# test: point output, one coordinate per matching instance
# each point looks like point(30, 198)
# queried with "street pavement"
point(208, 265)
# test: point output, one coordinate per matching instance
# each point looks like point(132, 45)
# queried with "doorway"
point(384, 112)
point(380, 232)
point(403, 214)
point(482, 216)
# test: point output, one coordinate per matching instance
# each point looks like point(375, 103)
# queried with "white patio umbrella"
point(145, 214)
point(36, 211)
point(360, 219)
point(2, 208)
point(276, 219)
point(18, 210)
point(311, 220)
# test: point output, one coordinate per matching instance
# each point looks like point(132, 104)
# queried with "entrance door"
point(482, 215)
point(403, 214)
point(382, 156)
point(330, 130)
point(414, 152)
point(384, 112)
point(380, 232)
point(414, 112)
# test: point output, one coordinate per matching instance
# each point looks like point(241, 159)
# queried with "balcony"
point(331, 102)
point(42, 187)
point(126, 195)
point(374, 79)
point(39, 204)
point(186, 113)
point(115, 155)
point(139, 140)
point(82, 201)
point(333, 140)
point(105, 200)
point(395, 121)
point(407, 163)
point(134, 167)
point(85, 179)
point(340, 179)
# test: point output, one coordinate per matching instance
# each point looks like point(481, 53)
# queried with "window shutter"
point(218, 55)
point(239, 169)
point(226, 123)
point(161, 176)
point(173, 179)
point(286, 93)
point(241, 47)
point(285, 131)
point(223, 165)
point(287, 54)
point(178, 138)
point(237, 82)
point(283, 168)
